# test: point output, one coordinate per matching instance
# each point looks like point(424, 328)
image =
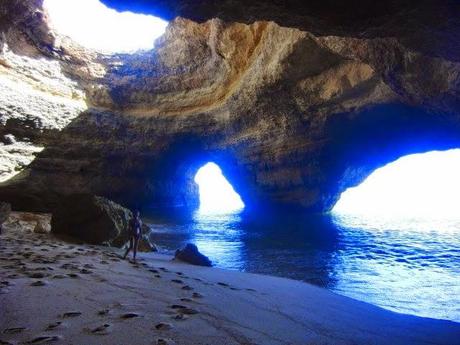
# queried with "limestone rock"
point(191, 255)
point(92, 219)
point(42, 227)
point(295, 101)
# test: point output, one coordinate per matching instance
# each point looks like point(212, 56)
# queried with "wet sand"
point(53, 291)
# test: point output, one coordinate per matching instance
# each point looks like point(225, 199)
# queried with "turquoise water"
point(406, 265)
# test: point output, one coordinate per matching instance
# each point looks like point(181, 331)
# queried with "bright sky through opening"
point(421, 185)
point(95, 26)
point(216, 194)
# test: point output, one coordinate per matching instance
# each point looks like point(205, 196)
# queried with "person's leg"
point(136, 243)
point(129, 248)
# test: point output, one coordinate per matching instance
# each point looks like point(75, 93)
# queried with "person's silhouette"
point(135, 232)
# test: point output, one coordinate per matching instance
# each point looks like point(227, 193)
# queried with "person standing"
point(135, 232)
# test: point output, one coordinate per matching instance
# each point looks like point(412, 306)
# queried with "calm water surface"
point(407, 265)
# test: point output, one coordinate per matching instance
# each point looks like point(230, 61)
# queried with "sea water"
point(409, 266)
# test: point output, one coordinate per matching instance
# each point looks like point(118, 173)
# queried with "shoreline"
point(89, 296)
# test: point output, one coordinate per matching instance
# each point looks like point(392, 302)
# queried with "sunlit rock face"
point(293, 111)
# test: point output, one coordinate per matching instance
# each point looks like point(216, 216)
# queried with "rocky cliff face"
point(294, 112)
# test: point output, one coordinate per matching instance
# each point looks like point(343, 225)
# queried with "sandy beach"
point(52, 291)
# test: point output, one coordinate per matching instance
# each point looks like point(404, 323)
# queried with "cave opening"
point(216, 194)
point(93, 25)
point(416, 190)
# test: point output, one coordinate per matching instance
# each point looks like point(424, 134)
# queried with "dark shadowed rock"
point(191, 254)
point(5, 210)
point(42, 228)
point(145, 245)
point(92, 219)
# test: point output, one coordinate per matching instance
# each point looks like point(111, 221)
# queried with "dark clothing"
point(135, 227)
point(135, 232)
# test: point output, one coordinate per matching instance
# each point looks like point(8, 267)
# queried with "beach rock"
point(145, 245)
point(42, 228)
point(5, 210)
point(191, 255)
point(92, 219)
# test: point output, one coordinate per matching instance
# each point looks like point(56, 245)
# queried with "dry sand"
point(53, 291)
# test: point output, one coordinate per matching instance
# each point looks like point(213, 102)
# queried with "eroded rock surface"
point(192, 255)
point(293, 111)
point(92, 219)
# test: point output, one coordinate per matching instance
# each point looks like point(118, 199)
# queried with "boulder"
point(92, 219)
point(191, 255)
point(146, 244)
point(5, 210)
point(42, 227)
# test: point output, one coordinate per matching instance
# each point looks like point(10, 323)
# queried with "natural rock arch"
point(292, 117)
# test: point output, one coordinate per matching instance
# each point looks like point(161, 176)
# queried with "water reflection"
point(409, 266)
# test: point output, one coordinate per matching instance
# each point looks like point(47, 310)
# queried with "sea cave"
point(309, 151)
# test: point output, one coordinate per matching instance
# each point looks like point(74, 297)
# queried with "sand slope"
point(56, 292)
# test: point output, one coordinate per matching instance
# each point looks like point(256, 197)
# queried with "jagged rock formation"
point(294, 112)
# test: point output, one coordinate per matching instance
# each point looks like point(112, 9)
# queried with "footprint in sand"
point(71, 314)
point(101, 330)
point(37, 275)
point(162, 326)
point(53, 326)
point(180, 317)
point(187, 288)
point(162, 341)
point(186, 300)
point(44, 339)
point(197, 295)
point(183, 309)
point(73, 275)
point(103, 312)
point(14, 330)
point(177, 281)
point(179, 273)
point(39, 283)
point(129, 316)
point(59, 276)
point(223, 284)
point(103, 262)
point(154, 270)
point(85, 271)
point(157, 276)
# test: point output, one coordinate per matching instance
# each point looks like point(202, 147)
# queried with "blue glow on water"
point(93, 25)
point(405, 262)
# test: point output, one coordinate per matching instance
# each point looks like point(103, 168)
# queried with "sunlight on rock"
point(216, 193)
point(104, 30)
point(420, 185)
point(34, 93)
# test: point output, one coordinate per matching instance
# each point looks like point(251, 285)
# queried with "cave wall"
point(294, 113)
